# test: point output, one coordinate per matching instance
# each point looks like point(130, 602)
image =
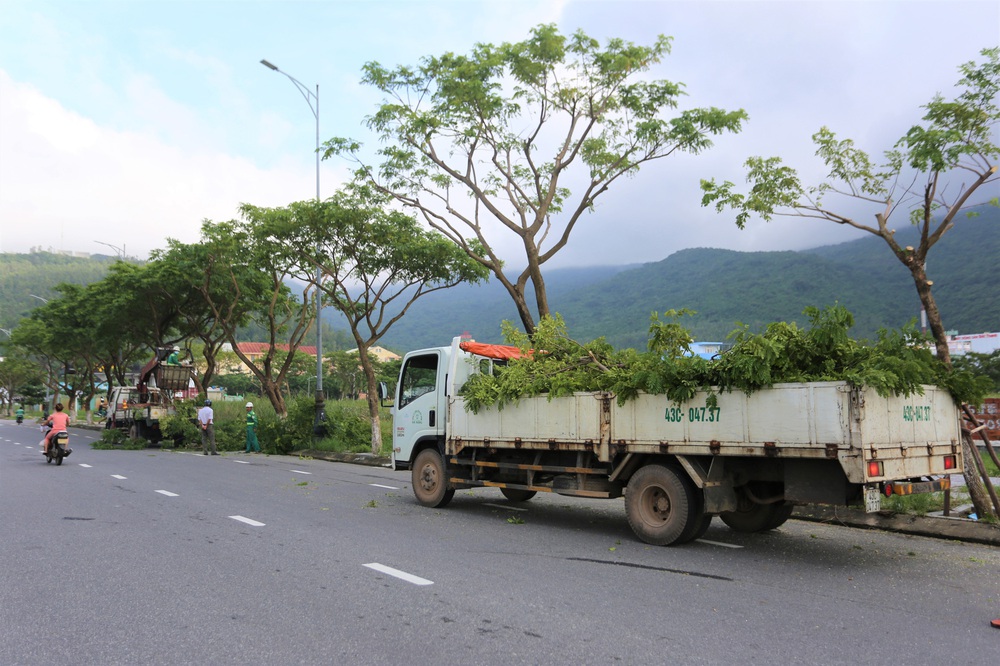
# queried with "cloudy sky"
point(126, 123)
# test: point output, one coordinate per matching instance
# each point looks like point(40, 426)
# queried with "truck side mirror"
point(383, 394)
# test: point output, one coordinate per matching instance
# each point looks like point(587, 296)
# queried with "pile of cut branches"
point(898, 362)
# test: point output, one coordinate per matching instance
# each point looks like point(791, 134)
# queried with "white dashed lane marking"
point(84, 465)
point(719, 543)
point(379, 485)
point(505, 507)
point(118, 476)
point(402, 575)
point(299, 471)
point(242, 462)
point(168, 493)
point(248, 521)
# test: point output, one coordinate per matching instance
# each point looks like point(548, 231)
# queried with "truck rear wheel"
point(430, 483)
point(781, 514)
point(757, 517)
point(660, 504)
point(517, 494)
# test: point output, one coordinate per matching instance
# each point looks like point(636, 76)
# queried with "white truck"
point(749, 459)
point(138, 409)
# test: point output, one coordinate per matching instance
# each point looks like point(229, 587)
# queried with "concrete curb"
point(958, 529)
point(352, 458)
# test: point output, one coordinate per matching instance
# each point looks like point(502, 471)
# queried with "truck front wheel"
point(430, 483)
point(659, 504)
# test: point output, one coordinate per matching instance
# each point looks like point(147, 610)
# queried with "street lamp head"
point(268, 65)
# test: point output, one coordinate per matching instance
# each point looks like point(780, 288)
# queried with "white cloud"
point(68, 182)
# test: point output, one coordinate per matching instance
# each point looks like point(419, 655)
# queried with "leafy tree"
point(193, 277)
point(57, 335)
point(128, 321)
point(17, 372)
point(375, 263)
point(346, 374)
point(483, 146)
point(922, 175)
point(257, 268)
point(986, 365)
point(237, 384)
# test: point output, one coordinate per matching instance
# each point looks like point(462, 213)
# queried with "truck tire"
point(430, 483)
point(781, 514)
point(517, 494)
point(701, 526)
point(660, 503)
point(755, 518)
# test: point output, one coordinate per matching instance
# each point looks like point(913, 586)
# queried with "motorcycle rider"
point(58, 420)
point(19, 414)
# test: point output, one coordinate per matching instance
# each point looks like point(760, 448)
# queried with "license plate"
point(873, 500)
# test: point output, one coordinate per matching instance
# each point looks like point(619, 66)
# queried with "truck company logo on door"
point(418, 417)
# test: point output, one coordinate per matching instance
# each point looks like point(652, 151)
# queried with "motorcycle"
point(58, 448)
point(20, 419)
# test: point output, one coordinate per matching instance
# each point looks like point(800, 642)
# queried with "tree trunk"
point(274, 395)
point(373, 401)
point(931, 310)
point(977, 490)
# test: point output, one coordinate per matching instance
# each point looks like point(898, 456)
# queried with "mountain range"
point(725, 288)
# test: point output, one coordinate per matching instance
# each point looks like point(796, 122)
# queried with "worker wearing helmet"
point(252, 443)
point(206, 420)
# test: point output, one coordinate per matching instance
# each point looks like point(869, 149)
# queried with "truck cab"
point(427, 379)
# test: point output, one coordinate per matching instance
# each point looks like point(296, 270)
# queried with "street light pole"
point(312, 99)
point(120, 251)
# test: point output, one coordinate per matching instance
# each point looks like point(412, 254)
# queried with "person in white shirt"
point(206, 419)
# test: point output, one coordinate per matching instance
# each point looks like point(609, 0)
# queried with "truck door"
point(419, 411)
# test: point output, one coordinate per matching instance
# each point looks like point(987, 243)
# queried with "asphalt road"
point(154, 557)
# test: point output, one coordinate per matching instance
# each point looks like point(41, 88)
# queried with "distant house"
point(255, 351)
point(979, 343)
point(382, 354)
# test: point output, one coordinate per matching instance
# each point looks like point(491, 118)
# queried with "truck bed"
point(803, 420)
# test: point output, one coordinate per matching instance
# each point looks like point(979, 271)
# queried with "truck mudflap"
point(874, 493)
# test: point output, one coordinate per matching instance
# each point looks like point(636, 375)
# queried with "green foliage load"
point(899, 362)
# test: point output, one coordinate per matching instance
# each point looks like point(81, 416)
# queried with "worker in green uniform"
point(252, 430)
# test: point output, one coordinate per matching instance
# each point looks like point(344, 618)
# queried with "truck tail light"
point(875, 468)
point(887, 490)
point(949, 462)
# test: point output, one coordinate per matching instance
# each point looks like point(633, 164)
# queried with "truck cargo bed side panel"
point(570, 419)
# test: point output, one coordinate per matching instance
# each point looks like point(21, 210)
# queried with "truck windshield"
point(419, 376)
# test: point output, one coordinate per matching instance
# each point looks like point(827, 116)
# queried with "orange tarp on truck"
point(499, 352)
